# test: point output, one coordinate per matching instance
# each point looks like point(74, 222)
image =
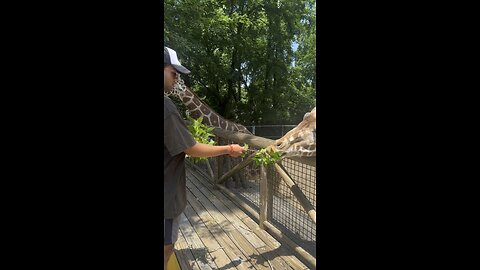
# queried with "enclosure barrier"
point(267, 194)
point(270, 131)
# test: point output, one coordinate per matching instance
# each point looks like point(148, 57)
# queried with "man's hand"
point(235, 150)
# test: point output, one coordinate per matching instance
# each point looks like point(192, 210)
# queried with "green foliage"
point(245, 146)
point(201, 133)
point(266, 157)
point(241, 56)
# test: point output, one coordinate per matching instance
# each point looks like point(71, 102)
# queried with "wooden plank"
point(252, 212)
point(220, 236)
point(286, 253)
point(235, 221)
point(217, 254)
point(247, 248)
point(271, 257)
point(219, 194)
point(196, 246)
point(308, 259)
point(184, 254)
point(283, 251)
point(229, 195)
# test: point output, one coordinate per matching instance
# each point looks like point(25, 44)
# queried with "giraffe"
point(300, 141)
point(197, 108)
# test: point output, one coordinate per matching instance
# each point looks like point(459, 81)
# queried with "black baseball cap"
point(170, 58)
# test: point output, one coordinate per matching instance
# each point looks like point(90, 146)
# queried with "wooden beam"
point(240, 202)
point(209, 167)
point(270, 180)
point(236, 169)
point(302, 253)
point(263, 196)
point(257, 142)
point(239, 137)
point(304, 202)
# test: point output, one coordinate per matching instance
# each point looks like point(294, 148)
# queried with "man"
point(177, 141)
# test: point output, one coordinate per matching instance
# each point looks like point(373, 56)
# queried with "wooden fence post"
point(270, 191)
point(219, 164)
point(263, 196)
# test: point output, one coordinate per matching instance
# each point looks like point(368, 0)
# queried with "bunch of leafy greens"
point(266, 157)
point(201, 133)
point(245, 146)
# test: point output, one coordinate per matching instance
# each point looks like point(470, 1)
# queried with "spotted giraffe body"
point(197, 108)
point(300, 141)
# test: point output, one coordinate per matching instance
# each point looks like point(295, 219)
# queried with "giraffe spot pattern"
point(197, 102)
point(215, 119)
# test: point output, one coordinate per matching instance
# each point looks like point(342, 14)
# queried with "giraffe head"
point(300, 141)
point(178, 89)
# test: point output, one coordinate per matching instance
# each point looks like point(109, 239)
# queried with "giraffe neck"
point(197, 108)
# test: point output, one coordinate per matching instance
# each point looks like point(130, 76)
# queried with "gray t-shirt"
point(176, 138)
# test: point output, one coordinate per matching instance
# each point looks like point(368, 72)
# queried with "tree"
point(241, 57)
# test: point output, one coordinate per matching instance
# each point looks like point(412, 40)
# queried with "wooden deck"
point(216, 234)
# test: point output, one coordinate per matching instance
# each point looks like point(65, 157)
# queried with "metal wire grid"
point(287, 213)
point(305, 177)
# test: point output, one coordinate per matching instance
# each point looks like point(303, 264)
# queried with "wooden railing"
point(264, 213)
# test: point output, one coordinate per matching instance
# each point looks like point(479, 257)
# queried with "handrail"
point(266, 190)
point(258, 142)
point(303, 255)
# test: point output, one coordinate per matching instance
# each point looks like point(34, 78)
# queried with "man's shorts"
point(170, 233)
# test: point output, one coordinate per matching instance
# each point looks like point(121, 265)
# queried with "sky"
point(294, 46)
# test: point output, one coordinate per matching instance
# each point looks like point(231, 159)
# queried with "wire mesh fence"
point(287, 214)
point(270, 131)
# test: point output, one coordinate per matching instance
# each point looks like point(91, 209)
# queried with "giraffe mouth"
point(276, 147)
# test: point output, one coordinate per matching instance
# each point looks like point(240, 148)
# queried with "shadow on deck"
point(216, 234)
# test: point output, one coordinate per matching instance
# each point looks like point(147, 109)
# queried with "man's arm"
point(205, 150)
point(177, 138)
